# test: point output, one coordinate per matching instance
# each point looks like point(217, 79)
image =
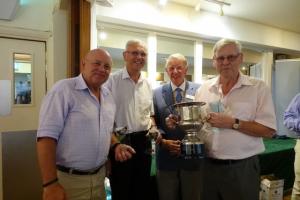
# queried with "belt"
point(136, 133)
point(78, 172)
point(225, 162)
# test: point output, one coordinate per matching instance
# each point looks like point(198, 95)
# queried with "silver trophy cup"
point(191, 122)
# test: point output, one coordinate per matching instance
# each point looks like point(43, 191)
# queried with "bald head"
point(96, 67)
point(94, 52)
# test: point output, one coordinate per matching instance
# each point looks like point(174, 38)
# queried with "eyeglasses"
point(137, 53)
point(178, 68)
point(230, 58)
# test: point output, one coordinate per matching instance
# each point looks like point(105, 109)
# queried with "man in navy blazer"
point(177, 178)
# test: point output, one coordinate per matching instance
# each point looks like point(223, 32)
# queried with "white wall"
point(32, 14)
point(42, 20)
point(185, 20)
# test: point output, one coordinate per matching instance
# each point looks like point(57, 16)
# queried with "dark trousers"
point(236, 180)
point(130, 180)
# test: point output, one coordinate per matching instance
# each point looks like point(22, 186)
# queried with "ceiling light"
point(105, 3)
point(102, 35)
point(163, 2)
point(219, 2)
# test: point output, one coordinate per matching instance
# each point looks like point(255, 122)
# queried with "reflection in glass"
point(22, 78)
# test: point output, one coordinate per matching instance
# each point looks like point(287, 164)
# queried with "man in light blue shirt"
point(74, 134)
point(292, 121)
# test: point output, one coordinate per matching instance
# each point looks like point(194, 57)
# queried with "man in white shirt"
point(133, 96)
point(241, 112)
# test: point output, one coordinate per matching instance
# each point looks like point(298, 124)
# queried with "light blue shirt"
point(291, 117)
point(82, 126)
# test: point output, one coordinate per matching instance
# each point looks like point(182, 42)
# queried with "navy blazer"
point(163, 101)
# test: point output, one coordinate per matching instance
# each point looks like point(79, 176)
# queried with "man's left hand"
point(220, 120)
point(154, 134)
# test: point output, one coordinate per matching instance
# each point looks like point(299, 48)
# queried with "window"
point(115, 41)
point(167, 46)
point(22, 78)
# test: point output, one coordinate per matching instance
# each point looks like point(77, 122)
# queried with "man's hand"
point(220, 120)
point(172, 121)
point(154, 134)
point(54, 192)
point(173, 146)
point(123, 152)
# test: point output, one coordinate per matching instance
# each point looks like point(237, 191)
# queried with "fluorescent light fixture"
point(219, 2)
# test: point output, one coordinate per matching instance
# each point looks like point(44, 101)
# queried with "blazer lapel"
point(190, 89)
point(167, 94)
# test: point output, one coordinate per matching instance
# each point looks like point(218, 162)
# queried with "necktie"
point(178, 96)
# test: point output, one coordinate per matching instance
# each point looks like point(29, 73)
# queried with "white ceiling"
point(284, 14)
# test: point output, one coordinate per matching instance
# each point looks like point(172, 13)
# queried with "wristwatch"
point(236, 124)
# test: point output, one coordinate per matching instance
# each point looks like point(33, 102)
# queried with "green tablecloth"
point(278, 159)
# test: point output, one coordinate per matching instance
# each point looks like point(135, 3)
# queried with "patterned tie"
point(178, 96)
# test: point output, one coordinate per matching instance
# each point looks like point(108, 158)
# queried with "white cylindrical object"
point(5, 97)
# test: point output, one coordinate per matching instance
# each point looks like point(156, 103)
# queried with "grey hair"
point(135, 42)
point(221, 43)
point(177, 56)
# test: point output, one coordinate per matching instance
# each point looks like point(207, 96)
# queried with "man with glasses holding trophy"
point(240, 112)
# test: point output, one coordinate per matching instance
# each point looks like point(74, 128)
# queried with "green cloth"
point(153, 165)
point(275, 145)
point(278, 159)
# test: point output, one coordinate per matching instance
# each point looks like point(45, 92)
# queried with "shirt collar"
point(182, 86)
point(80, 84)
point(125, 75)
point(242, 80)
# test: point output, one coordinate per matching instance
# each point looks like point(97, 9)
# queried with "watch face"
point(235, 126)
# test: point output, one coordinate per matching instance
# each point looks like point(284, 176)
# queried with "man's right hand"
point(123, 152)
point(172, 121)
point(173, 146)
point(54, 192)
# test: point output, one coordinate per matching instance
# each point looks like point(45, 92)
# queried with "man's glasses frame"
point(137, 53)
point(230, 58)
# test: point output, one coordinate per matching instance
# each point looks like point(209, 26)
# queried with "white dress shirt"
point(133, 100)
point(250, 100)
